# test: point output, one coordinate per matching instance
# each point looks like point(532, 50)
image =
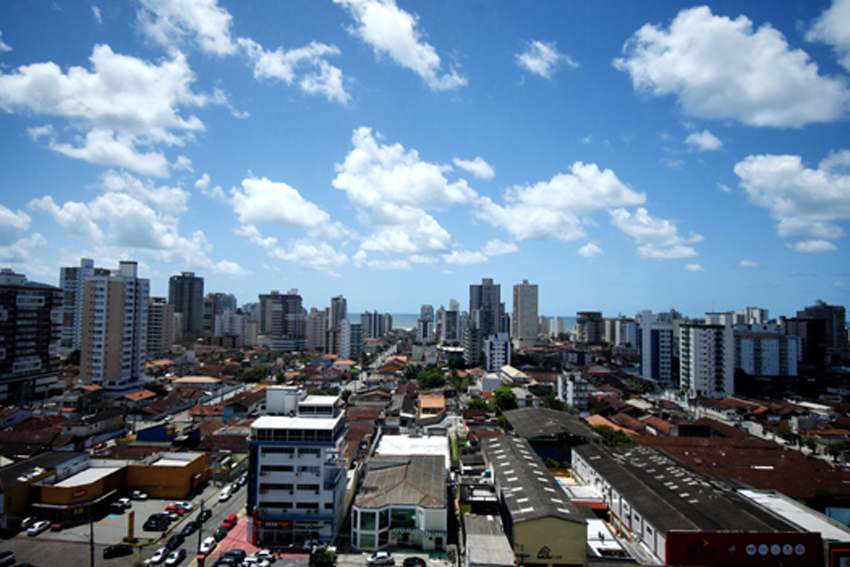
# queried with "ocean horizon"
point(409, 320)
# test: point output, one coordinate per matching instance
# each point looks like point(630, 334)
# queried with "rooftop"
point(413, 480)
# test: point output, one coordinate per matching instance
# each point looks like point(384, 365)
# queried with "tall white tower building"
point(524, 322)
point(707, 360)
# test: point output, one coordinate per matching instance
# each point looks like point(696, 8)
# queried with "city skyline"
point(619, 157)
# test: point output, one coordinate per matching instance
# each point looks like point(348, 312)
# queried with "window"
point(367, 522)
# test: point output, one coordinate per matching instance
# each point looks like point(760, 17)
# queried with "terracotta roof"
point(432, 401)
point(657, 423)
point(599, 420)
point(139, 396)
point(362, 413)
point(92, 387)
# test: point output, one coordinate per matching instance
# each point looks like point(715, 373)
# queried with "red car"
point(176, 509)
point(230, 521)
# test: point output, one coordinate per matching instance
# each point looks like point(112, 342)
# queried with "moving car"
point(176, 557)
point(413, 562)
point(205, 515)
point(38, 527)
point(380, 558)
point(225, 494)
point(119, 550)
point(174, 542)
point(190, 528)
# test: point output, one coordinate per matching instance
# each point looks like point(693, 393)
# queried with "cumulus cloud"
point(590, 250)
point(361, 260)
point(833, 28)
point(164, 199)
point(123, 103)
point(3, 47)
point(216, 193)
point(805, 202)
point(12, 225)
point(289, 66)
point(812, 246)
point(477, 167)
point(416, 232)
point(723, 68)
point(74, 217)
point(177, 22)
point(657, 238)
point(498, 248)
point(394, 33)
point(543, 58)
point(310, 254)
point(95, 11)
point(704, 141)
point(694, 268)
point(20, 251)
point(557, 209)
point(464, 257)
point(749, 264)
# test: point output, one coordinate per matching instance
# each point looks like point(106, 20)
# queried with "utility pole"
point(522, 555)
point(200, 524)
point(91, 537)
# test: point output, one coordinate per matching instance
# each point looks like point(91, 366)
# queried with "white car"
point(207, 546)
point(380, 558)
point(224, 495)
point(159, 556)
point(138, 495)
point(27, 522)
point(185, 504)
point(38, 527)
point(126, 502)
point(176, 557)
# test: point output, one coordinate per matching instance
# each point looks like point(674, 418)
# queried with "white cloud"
point(3, 47)
point(262, 201)
point(393, 32)
point(748, 264)
point(498, 248)
point(590, 250)
point(72, 216)
point(805, 202)
point(183, 163)
point(556, 209)
point(19, 252)
point(96, 13)
point(174, 22)
point(723, 187)
point(216, 193)
point(721, 68)
point(833, 28)
point(165, 199)
point(812, 246)
point(422, 259)
point(464, 258)
point(694, 268)
point(543, 58)
point(361, 260)
point(122, 104)
point(657, 238)
point(704, 141)
point(477, 167)
point(12, 225)
point(288, 65)
point(311, 254)
point(415, 232)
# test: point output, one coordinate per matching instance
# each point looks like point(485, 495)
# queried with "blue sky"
point(622, 155)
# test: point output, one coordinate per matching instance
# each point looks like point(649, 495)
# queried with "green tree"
point(322, 557)
point(431, 377)
point(614, 437)
point(73, 358)
point(345, 395)
point(551, 401)
point(639, 385)
point(785, 432)
point(505, 399)
point(478, 404)
point(254, 375)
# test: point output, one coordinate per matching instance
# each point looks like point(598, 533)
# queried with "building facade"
point(655, 339)
point(30, 333)
point(71, 281)
point(186, 296)
point(524, 322)
point(160, 331)
point(114, 328)
point(296, 476)
point(707, 360)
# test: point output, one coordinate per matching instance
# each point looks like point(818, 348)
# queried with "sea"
point(408, 321)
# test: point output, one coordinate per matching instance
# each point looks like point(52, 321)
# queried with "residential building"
point(288, 326)
point(317, 327)
point(625, 332)
point(215, 304)
point(590, 327)
point(160, 331)
point(186, 296)
point(30, 333)
point(573, 389)
point(655, 338)
point(485, 307)
point(707, 360)
point(114, 328)
point(71, 281)
point(497, 352)
point(524, 322)
point(376, 326)
point(450, 327)
point(296, 478)
point(826, 332)
point(765, 350)
point(754, 316)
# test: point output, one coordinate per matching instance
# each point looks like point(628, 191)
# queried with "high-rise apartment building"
point(425, 324)
point(765, 350)
point(524, 323)
point(71, 281)
point(296, 477)
point(215, 304)
point(590, 327)
point(376, 326)
point(160, 328)
point(114, 328)
point(706, 360)
point(485, 306)
point(826, 332)
point(497, 352)
point(317, 329)
point(655, 339)
point(30, 332)
point(288, 324)
point(186, 296)
point(450, 327)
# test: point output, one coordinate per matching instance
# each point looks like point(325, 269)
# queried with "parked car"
point(174, 542)
point(28, 521)
point(139, 495)
point(225, 494)
point(185, 504)
point(126, 502)
point(176, 557)
point(230, 521)
point(205, 514)
point(220, 533)
point(116, 508)
point(179, 510)
point(159, 556)
point(119, 550)
point(38, 527)
point(155, 525)
point(100, 446)
point(238, 554)
point(207, 546)
point(380, 558)
point(57, 526)
point(413, 561)
point(7, 558)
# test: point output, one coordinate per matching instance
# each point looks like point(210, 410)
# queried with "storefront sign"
point(79, 493)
